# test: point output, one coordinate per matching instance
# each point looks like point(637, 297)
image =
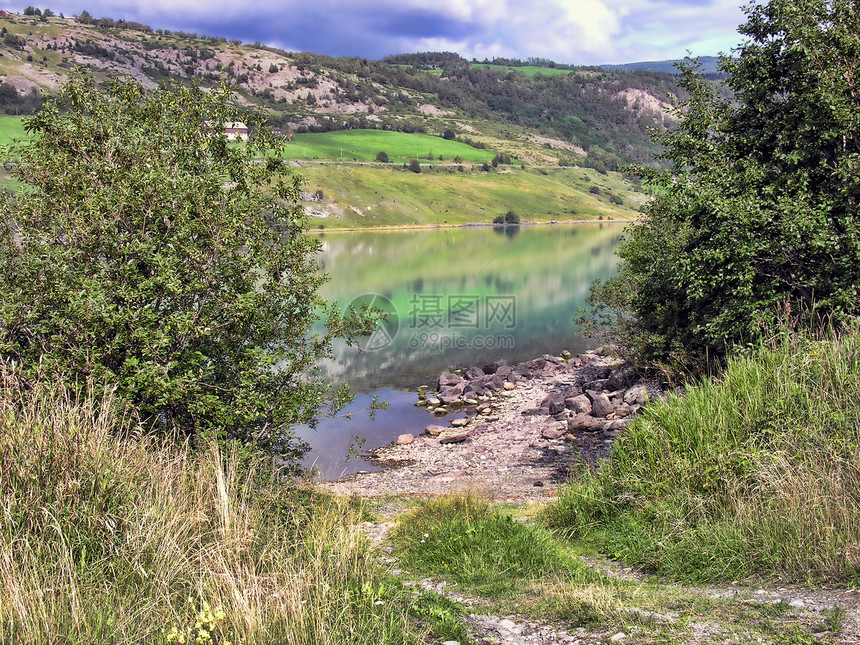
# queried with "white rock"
point(620, 636)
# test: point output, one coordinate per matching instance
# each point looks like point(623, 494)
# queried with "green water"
point(458, 297)
point(463, 296)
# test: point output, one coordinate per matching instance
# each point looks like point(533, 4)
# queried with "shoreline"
point(406, 227)
point(526, 426)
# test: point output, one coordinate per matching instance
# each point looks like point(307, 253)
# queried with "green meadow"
point(11, 127)
point(528, 70)
point(364, 145)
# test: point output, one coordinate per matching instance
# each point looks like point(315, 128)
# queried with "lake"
point(456, 297)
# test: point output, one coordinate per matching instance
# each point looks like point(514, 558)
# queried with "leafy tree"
point(760, 204)
point(30, 11)
point(382, 156)
point(145, 252)
point(449, 134)
point(415, 165)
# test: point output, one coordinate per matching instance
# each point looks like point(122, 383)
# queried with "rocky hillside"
point(579, 115)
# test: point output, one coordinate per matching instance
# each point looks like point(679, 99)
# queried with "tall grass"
point(104, 540)
point(757, 473)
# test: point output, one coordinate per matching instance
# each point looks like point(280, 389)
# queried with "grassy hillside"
point(360, 196)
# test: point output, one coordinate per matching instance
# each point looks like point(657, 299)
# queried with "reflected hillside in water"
point(463, 296)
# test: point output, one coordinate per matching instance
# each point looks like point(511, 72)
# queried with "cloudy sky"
point(567, 31)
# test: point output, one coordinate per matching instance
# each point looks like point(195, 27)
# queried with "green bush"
point(382, 156)
point(146, 253)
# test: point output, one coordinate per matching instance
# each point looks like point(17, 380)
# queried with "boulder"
point(461, 422)
point(455, 436)
point(492, 368)
point(509, 386)
point(474, 373)
point(554, 430)
point(495, 383)
point(554, 403)
point(598, 385)
point(448, 379)
point(504, 370)
point(435, 431)
point(405, 439)
point(451, 394)
point(585, 423)
point(601, 406)
point(621, 377)
point(433, 401)
point(579, 404)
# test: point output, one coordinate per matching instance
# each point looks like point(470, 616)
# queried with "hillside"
point(538, 118)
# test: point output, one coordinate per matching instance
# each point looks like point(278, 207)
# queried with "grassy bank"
point(364, 196)
point(757, 473)
point(105, 540)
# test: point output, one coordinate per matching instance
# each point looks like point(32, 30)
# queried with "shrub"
point(415, 165)
point(382, 156)
point(135, 264)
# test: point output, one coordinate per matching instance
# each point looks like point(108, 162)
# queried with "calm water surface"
point(457, 297)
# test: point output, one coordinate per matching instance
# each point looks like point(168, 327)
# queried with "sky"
point(580, 32)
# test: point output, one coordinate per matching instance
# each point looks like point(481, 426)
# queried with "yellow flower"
point(220, 614)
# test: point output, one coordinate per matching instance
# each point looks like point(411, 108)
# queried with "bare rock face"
point(601, 406)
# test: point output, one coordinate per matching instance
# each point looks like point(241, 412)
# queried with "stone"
point(554, 430)
point(434, 430)
point(622, 410)
point(445, 478)
point(405, 439)
point(579, 404)
point(496, 383)
point(598, 385)
point(621, 377)
point(493, 367)
point(565, 354)
point(450, 394)
point(448, 379)
point(504, 370)
point(455, 436)
point(474, 373)
point(509, 386)
point(460, 423)
point(433, 401)
point(584, 423)
point(619, 636)
point(470, 401)
point(601, 406)
point(554, 403)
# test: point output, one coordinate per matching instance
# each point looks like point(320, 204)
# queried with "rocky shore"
point(524, 427)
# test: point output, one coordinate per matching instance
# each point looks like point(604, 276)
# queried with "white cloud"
point(574, 31)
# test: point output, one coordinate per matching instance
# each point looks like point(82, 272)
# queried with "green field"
point(528, 70)
point(369, 196)
point(11, 127)
point(363, 145)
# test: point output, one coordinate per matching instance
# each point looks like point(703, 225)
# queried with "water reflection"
point(463, 296)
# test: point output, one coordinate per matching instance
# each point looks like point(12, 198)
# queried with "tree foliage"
point(145, 252)
point(759, 205)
